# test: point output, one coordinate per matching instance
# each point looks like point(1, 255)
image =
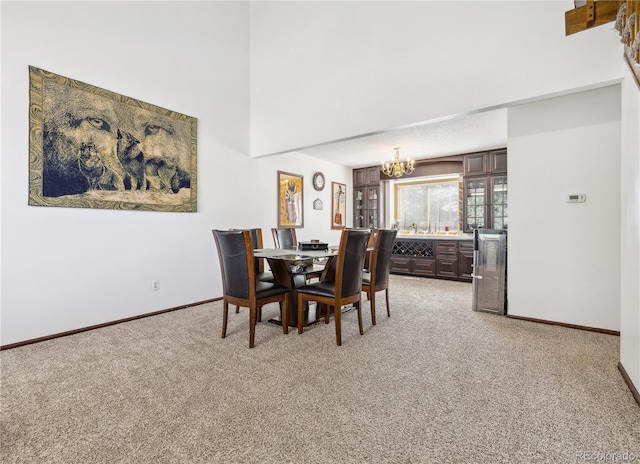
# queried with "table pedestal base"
point(309, 314)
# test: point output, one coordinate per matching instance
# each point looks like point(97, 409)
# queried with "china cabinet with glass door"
point(366, 207)
point(485, 194)
point(366, 194)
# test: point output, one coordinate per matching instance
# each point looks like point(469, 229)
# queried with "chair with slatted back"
point(377, 277)
point(284, 238)
point(239, 284)
point(345, 289)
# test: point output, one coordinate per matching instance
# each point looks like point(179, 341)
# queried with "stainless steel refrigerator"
point(490, 270)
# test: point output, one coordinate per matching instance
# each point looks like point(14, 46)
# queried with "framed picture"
point(290, 200)
point(338, 205)
point(93, 148)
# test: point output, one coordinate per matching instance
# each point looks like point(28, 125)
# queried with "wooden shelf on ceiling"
point(597, 12)
point(594, 13)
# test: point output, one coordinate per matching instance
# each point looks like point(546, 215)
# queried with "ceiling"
point(448, 136)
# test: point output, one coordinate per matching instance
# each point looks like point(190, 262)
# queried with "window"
point(428, 205)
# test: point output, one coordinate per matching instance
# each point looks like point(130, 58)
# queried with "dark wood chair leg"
point(386, 293)
point(300, 312)
point(237, 309)
point(252, 325)
point(372, 298)
point(306, 307)
point(327, 310)
point(337, 313)
point(284, 316)
point(359, 309)
point(225, 312)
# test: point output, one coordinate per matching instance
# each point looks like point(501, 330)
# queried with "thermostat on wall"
point(576, 198)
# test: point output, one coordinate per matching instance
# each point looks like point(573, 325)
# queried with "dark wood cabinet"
point(446, 268)
point(366, 197)
point(424, 267)
point(413, 257)
point(498, 162)
point(359, 177)
point(409, 265)
point(373, 175)
point(497, 203)
point(465, 260)
point(364, 177)
point(430, 257)
point(366, 207)
point(475, 164)
point(485, 192)
point(447, 259)
point(475, 203)
point(401, 265)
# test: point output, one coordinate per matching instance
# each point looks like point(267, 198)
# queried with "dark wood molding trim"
point(627, 379)
point(439, 159)
point(105, 324)
point(563, 324)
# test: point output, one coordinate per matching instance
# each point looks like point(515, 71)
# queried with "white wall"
point(564, 259)
point(316, 75)
point(630, 231)
point(323, 71)
point(65, 268)
point(327, 70)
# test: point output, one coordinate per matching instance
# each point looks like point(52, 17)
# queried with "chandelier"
point(397, 168)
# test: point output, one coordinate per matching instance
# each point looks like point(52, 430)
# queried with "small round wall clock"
point(318, 181)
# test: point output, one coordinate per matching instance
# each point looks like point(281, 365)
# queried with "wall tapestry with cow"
point(93, 148)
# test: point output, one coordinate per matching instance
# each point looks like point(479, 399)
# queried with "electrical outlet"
point(155, 285)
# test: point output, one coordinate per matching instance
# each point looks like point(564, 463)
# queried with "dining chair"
point(239, 283)
point(256, 241)
point(377, 277)
point(345, 288)
point(284, 238)
point(372, 238)
point(261, 275)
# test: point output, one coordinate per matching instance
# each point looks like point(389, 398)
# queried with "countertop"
point(419, 236)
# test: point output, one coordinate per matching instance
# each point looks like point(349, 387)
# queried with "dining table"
point(292, 268)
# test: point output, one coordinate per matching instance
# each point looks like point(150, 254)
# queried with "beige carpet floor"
point(435, 383)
